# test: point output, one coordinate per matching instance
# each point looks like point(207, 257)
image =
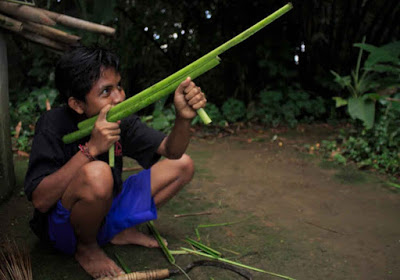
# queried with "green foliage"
point(377, 147)
point(214, 113)
point(295, 106)
point(162, 118)
point(27, 109)
point(381, 71)
point(233, 110)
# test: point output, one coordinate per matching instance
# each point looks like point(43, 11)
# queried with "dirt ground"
point(295, 214)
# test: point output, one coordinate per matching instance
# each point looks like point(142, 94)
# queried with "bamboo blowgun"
point(169, 84)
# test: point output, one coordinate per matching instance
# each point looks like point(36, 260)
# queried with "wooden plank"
point(7, 178)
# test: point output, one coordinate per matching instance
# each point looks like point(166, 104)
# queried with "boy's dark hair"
point(79, 69)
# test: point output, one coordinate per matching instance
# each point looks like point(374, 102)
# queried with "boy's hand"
point(104, 133)
point(188, 98)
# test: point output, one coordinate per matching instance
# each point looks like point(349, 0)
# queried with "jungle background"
point(302, 156)
point(304, 68)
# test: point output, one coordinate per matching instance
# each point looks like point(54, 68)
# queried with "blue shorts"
point(132, 206)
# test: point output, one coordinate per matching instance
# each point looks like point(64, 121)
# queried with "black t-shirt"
point(49, 153)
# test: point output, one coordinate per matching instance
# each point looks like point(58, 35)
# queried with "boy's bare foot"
point(95, 262)
point(133, 236)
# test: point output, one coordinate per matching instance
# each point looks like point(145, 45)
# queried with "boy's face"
point(106, 90)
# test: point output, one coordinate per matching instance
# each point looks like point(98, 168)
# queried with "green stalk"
point(122, 263)
point(157, 235)
point(203, 247)
point(196, 64)
point(153, 90)
point(236, 263)
point(164, 92)
point(111, 159)
point(141, 102)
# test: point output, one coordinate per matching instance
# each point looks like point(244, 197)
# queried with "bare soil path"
point(296, 215)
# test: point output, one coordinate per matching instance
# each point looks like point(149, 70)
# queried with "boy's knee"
point(187, 167)
point(98, 179)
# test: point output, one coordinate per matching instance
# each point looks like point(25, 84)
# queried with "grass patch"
point(350, 175)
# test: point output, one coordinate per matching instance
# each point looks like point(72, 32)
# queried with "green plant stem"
point(122, 263)
point(141, 102)
point(173, 79)
point(111, 159)
point(203, 247)
point(235, 263)
point(210, 56)
point(164, 248)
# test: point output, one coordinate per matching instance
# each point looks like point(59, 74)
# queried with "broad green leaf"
point(340, 101)
point(362, 109)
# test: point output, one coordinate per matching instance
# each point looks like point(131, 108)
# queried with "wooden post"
point(7, 179)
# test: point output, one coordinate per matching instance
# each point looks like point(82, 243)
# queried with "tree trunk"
point(7, 179)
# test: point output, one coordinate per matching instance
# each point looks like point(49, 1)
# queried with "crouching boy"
point(80, 202)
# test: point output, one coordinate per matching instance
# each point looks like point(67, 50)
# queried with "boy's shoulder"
point(58, 121)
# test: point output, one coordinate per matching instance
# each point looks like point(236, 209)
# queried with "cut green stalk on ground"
point(236, 263)
point(122, 263)
point(203, 247)
point(160, 241)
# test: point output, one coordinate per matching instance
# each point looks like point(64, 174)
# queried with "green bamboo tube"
point(76, 135)
point(153, 90)
point(162, 93)
point(111, 158)
point(224, 47)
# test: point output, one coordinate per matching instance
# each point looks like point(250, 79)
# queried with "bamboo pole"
point(204, 59)
point(43, 40)
point(144, 99)
point(132, 102)
point(51, 33)
point(26, 13)
point(85, 131)
point(10, 23)
point(7, 177)
point(78, 23)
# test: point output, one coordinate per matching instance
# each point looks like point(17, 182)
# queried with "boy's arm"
point(188, 98)
point(53, 186)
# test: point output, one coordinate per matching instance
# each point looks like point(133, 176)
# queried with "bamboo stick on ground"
point(26, 13)
point(141, 275)
point(10, 23)
point(78, 23)
point(51, 33)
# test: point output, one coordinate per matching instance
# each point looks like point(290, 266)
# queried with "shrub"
point(233, 110)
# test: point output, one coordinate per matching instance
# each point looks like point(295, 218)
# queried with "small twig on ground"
point(135, 168)
point(324, 228)
point(193, 214)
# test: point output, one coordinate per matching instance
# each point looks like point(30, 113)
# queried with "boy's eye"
point(105, 91)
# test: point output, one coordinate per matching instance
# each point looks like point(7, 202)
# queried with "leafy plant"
point(233, 110)
point(214, 113)
point(162, 118)
point(380, 71)
point(276, 107)
point(27, 109)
